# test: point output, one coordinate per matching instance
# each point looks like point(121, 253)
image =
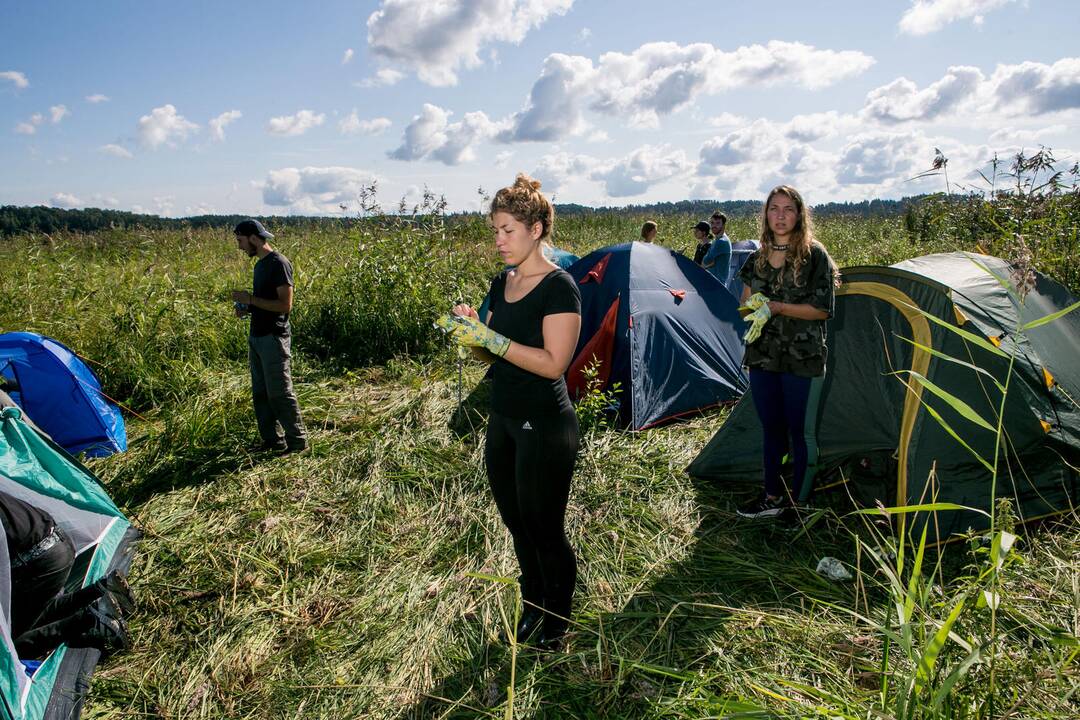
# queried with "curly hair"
point(526, 203)
point(802, 236)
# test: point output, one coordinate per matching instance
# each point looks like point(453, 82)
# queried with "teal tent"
point(36, 470)
point(875, 428)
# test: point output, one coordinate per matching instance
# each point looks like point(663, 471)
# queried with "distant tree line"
point(40, 219)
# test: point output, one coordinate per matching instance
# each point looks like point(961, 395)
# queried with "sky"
point(277, 108)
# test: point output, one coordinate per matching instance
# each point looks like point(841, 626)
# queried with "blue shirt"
point(720, 254)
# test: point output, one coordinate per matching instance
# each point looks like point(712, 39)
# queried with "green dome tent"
point(36, 470)
point(875, 428)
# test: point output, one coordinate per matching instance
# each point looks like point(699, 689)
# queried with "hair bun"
point(527, 182)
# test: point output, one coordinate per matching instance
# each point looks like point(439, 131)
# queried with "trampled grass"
point(372, 577)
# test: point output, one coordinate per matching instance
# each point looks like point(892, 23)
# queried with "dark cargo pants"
point(276, 409)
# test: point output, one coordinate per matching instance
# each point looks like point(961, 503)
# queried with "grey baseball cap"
point(252, 227)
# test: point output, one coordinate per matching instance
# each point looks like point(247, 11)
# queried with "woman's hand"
point(776, 307)
point(465, 310)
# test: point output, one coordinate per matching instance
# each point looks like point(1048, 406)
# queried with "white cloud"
point(1021, 90)
point(431, 136)
point(353, 125)
point(58, 113)
point(1038, 88)
point(347, 56)
point(818, 126)
point(163, 126)
point(18, 78)
point(760, 142)
point(502, 159)
point(1021, 137)
point(102, 200)
point(217, 125)
point(314, 189)
point(437, 39)
point(927, 16)
point(663, 77)
point(726, 120)
point(297, 124)
point(65, 200)
point(25, 128)
point(902, 100)
point(554, 107)
point(116, 150)
point(875, 158)
point(554, 170)
point(97, 98)
point(165, 204)
point(383, 78)
point(644, 167)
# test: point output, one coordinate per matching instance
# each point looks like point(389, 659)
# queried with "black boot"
point(108, 632)
point(529, 622)
point(115, 584)
point(553, 633)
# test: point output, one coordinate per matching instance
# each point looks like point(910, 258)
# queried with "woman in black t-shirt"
point(530, 334)
point(790, 282)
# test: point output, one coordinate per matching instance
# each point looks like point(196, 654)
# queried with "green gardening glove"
point(754, 302)
point(757, 320)
point(470, 332)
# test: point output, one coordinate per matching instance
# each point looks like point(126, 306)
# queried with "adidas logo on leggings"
point(526, 426)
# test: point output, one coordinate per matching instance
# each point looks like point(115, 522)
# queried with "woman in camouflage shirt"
point(794, 276)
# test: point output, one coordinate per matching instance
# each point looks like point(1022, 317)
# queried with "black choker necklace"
point(780, 247)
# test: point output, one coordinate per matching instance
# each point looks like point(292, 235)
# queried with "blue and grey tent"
point(661, 326)
point(61, 393)
point(38, 471)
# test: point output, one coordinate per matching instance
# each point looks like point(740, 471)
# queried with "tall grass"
point(372, 577)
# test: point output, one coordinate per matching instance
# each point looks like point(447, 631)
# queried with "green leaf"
point(954, 402)
point(970, 337)
point(948, 428)
point(929, 507)
point(1049, 318)
point(958, 672)
point(958, 361)
point(930, 655)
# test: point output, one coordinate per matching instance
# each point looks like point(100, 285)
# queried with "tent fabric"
point(872, 409)
point(62, 394)
point(37, 470)
point(677, 341)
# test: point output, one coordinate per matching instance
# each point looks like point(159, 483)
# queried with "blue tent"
point(61, 393)
point(660, 325)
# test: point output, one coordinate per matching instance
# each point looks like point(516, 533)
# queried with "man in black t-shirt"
point(269, 303)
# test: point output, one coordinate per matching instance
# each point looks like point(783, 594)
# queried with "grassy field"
point(371, 577)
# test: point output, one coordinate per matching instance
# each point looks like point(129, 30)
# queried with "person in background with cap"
point(269, 303)
point(703, 235)
point(718, 259)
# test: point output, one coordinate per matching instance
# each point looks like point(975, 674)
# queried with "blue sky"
point(283, 107)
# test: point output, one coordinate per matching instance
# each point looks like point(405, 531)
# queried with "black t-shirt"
point(271, 272)
point(700, 251)
point(24, 525)
point(518, 393)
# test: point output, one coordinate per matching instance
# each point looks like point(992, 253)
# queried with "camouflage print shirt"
point(789, 344)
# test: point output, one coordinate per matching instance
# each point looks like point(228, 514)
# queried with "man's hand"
point(241, 296)
point(757, 320)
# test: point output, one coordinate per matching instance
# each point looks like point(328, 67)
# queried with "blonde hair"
point(526, 203)
point(802, 237)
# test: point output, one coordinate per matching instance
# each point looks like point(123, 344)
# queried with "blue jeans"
point(787, 406)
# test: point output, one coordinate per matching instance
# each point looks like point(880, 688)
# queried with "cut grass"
point(372, 577)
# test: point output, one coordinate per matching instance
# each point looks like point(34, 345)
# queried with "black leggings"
point(529, 466)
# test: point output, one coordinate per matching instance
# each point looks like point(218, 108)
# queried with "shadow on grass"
point(617, 664)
